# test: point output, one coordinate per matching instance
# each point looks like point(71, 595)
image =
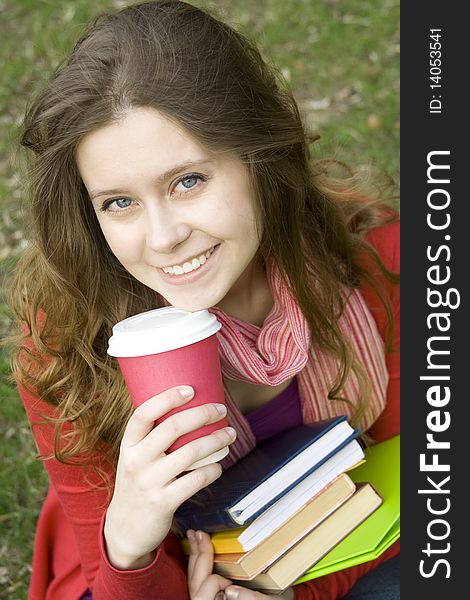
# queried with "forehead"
point(142, 138)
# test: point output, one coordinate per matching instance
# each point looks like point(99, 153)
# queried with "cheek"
point(236, 219)
point(248, 229)
point(125, 242)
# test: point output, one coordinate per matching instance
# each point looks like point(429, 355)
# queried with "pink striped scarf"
point(281, 349)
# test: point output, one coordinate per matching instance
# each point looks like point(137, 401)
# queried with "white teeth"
point(187, 267)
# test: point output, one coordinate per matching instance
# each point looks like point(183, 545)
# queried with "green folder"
point(382, 527)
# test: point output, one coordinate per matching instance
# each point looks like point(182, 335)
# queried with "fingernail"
point(221, 408)
point(193, 545)
point(186, 391)
point(231, 431)
point(199, 536)
point(232, 593)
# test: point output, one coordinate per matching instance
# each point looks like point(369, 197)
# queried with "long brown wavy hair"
point(69, 289)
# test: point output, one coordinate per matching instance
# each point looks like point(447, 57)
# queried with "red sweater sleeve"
point(82, 505)
point(386, 240)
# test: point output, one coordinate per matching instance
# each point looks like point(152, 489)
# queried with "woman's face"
point(179, 219)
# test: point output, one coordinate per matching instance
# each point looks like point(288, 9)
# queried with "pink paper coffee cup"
point(167, 347)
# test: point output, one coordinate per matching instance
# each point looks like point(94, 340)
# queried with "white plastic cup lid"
point(160, 330)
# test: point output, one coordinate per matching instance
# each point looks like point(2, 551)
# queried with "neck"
point(250, 299)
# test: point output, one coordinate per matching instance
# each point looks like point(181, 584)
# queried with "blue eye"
point(189, 182)
point(116, 204)
point(122, 202)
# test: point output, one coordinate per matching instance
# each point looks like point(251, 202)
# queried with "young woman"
point(170, 166)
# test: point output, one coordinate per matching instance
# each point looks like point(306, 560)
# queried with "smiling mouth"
point(192, 265)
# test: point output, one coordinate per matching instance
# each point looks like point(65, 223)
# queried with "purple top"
point(280, 413)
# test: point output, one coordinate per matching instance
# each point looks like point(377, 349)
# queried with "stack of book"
point(378, 532)
point(278, 511)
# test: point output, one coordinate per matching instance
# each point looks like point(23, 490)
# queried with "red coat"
point(69, 554)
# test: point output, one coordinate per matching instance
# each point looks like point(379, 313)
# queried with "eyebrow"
point(159, 180)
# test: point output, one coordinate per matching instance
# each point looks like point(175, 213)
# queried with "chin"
point(198, 297)
point(189, 304)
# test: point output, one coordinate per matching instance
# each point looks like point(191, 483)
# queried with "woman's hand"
point(204, 585)
point(150, 485)
point(237, 592)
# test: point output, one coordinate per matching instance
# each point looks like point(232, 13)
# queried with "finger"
point(236, 592)
point(201, 581)
point(191, 482)
point(179, 461)
point(181, 423)
point(201, 557)
point(197, 568)
point(143, 418)
point(213, 586)
point(193, 556)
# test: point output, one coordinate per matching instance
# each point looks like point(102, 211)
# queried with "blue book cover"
point(209, 509)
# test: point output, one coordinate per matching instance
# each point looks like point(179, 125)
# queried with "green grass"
point(23, 483)
point(341, 59)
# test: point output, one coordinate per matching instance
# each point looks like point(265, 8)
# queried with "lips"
point(192, 274)
point(190, 265)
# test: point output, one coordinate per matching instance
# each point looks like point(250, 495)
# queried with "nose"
point(165, 228)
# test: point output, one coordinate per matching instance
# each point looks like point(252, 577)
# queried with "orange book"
point(278, 576)
point(247, 565)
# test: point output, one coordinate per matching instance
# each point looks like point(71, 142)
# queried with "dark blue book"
point(270, 472)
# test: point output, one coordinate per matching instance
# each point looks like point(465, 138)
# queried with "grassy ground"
point(341, 58)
